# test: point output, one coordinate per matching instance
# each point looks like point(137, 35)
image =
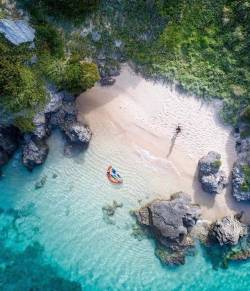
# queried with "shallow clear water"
point(65, 217)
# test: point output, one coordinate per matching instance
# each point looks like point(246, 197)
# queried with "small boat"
point(113, 176)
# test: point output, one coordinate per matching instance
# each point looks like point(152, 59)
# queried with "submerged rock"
point(170, 221)
point(211, 178)
point(109, 211)
point(227, 231)
point(17, 31)
point(41, 183)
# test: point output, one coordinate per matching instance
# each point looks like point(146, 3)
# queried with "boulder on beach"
point(227, 231)
point(212, 179)
point(170, 222)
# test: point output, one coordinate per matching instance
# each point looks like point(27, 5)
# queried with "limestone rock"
point(170, 220)
point(211, 178)
point(227, 231)
point(17, 31)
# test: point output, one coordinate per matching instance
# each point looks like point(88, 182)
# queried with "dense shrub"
point(71, 74)
point(49, 40)
point(21, 89)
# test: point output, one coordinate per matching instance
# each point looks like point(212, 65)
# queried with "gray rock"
point(214, 183)
point(170, 220)
point(55, 102)
point(17, 31)
point(78, 133)
point(239, 192)
point(211, 178)
point(34, 153)
point(210, 163)
point(96, 36)
point(107, 81)
point(227, 231)
point(42, 129)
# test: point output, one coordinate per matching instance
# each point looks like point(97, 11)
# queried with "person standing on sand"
point(178, 129)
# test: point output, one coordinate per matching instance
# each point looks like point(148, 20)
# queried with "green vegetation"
point(246, 184)
point(24, 70)
point(202, 45)
point(71, 74)
point(72, 10)
point(205, 47)
point(21, 89)
point(25, 124)
point(217, 164)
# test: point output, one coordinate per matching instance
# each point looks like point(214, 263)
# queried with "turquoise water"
point(72, 240)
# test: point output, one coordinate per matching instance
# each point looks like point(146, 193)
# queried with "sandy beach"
point(143, 115)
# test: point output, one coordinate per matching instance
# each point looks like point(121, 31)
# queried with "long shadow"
point(173, 140)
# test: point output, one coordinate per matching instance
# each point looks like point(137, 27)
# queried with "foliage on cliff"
point(202, 45)
point(71, 74)
point(72, 10)
point(21, 88)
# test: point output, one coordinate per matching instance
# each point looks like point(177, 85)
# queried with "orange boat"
point(113, 176)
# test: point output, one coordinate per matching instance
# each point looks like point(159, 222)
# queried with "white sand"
point(144, 116)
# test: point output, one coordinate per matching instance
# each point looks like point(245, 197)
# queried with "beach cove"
point(142, 116)
point(65, 215)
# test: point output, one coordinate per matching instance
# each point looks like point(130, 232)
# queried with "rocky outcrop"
point(60, 112)
point(9, 139)
point(34, 152)
point(212, 179)
point(77, 133)
point(241, 168)
point(227, 231)
point(17, 31)
point(241, 181)
point(170, 221)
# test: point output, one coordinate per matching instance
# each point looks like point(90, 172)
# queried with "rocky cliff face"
point(241, 169)
point(60, 112)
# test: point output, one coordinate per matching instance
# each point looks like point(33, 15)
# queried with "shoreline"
point(143, 115)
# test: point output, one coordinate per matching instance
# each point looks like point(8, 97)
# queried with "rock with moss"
point(171, 221)
point(227, 231)
point(241, 180)
point(212, 179)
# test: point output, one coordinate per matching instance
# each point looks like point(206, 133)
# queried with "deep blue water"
point(55, 237)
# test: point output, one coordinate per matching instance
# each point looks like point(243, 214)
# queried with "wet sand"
point(143, 115)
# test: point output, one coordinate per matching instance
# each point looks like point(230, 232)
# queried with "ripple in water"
point(59, 234)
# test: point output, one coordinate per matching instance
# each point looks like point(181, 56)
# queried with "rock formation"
point(170, 221)
point(17, 31)
point(241, 169)
point(227, 231)
point(212, 179)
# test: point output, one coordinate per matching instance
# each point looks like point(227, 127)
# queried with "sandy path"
point(144, 115)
